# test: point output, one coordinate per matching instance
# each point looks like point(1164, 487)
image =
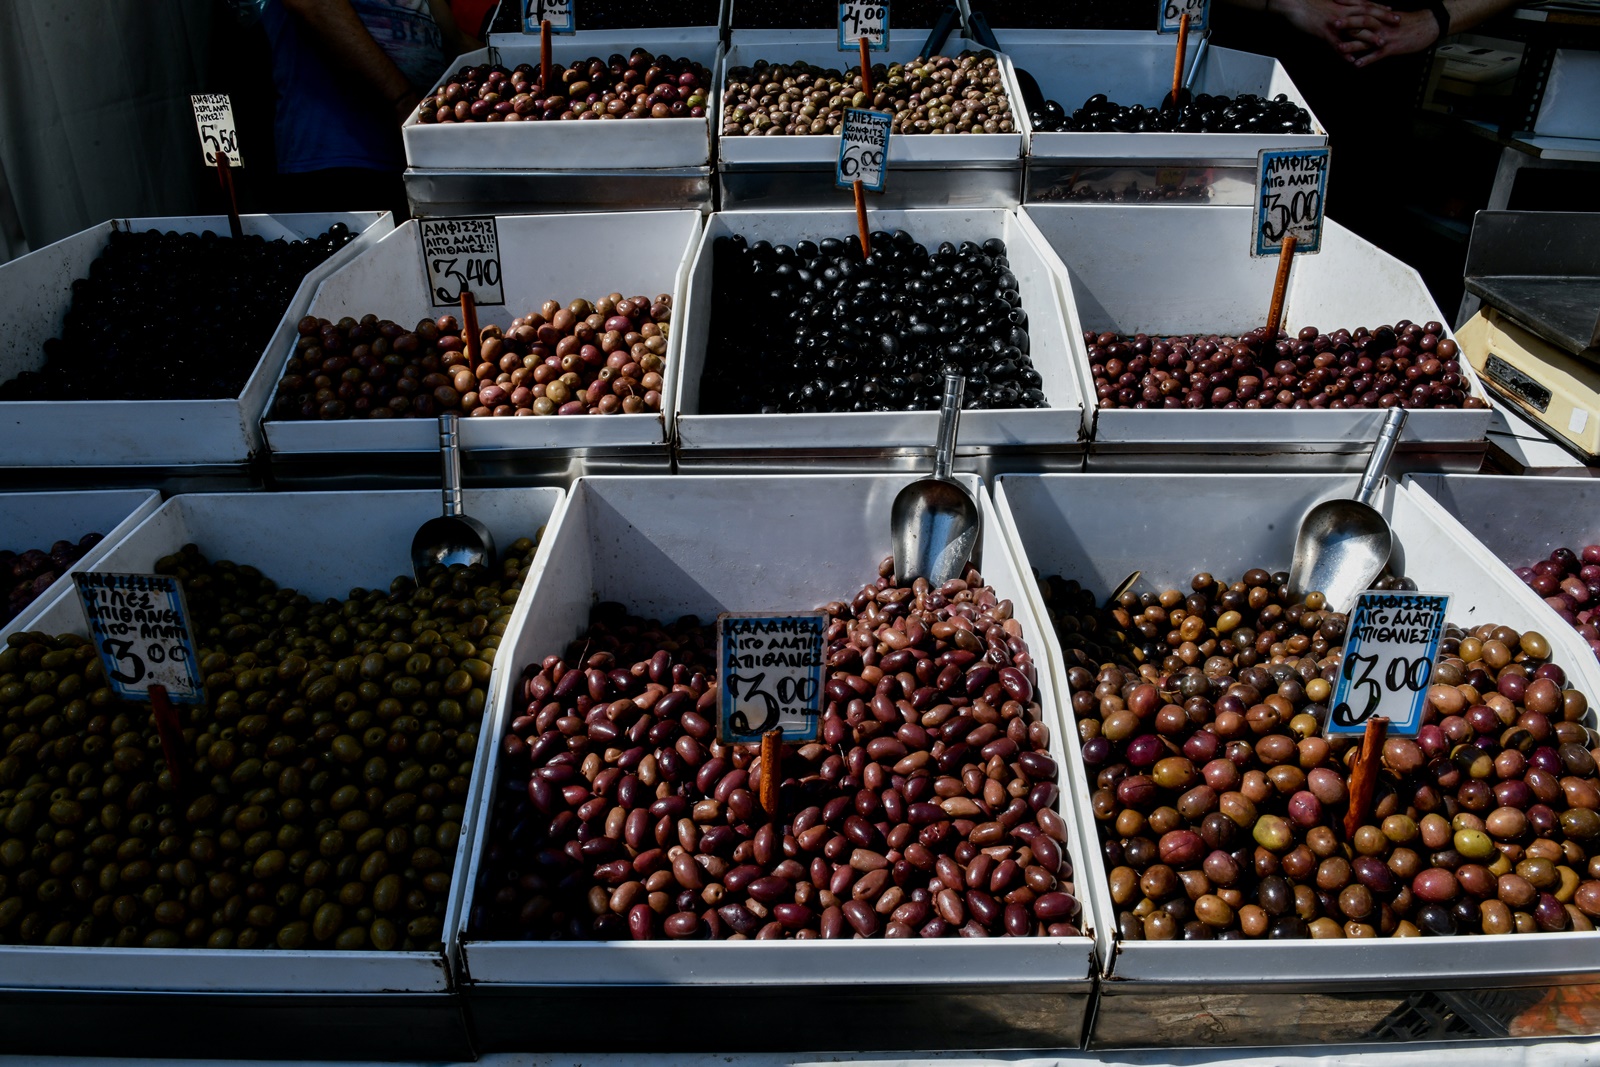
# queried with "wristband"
point(1441, 15)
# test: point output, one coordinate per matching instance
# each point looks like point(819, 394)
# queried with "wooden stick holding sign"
point(771, 772)
point(469, 326)
point(225, 176)
point(1177, 66)
point(170, 731)
point(1364, 776)
point(1280, 286)
point(544, 56)
point(857, 188)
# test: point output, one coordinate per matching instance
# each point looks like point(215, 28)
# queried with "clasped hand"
point(1361, 31)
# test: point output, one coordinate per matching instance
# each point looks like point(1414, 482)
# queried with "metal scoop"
point(934, 523)
point(453, 537)
point(1344, 544)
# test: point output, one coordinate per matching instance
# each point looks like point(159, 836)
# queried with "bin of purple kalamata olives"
point(916, 884)
point(44, 537)
point(1201, 772)
point(1361, 333)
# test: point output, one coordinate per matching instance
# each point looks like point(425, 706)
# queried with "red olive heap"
point(638, 86)
point(1570, 583)
point(24, 575)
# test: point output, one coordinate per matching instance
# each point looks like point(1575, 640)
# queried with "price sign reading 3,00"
point(1291, 188)
point(1389, 653)
point(459, 255)
point(771, 674)
point(864, 149)
point(1171, 12)
point(140, 625)
point(558, 13)
point(858, 20)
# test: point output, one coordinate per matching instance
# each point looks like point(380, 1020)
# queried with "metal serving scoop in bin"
point(934, 524)
point(453, 537)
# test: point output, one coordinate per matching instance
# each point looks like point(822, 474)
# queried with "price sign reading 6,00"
point(858, 20)
point(1291, 187)
point(771, 674)
point(864, 149)
point(462, 255)
point(1389, 652)
point(140, 625)
point(1171, 12)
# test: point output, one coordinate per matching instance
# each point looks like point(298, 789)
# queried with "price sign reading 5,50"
point(864, 149)
point(1291, 190)
point(213, 120)
point(1389, 652)
point(1170, 13)
point(460, 255)
point(858, 20)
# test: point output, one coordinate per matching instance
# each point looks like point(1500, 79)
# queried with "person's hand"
point(1334, 22)
point(1410, 31)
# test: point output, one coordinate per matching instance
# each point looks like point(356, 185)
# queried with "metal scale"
point(1536, 339)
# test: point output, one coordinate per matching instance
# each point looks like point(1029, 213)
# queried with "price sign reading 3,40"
point(558, 13)
point(1169, 13)
point(213, 119)
point(1291, 192)
point(140, 625)
point(1389, 653)
point(462, 254)
point(864, 149)
point(771, 676)
point(858, 20)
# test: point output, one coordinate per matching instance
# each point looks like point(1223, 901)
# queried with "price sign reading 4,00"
point(863, 149)
point(140, 624)
point(1291, 189)
point(858, 20)
point(771, 676)
point(213, 118)
point(1389, 652)
point(558, 13)
point(1171, 12)
point(462, 254)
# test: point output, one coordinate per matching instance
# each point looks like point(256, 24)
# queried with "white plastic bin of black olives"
point(1096, 529)
point(542, 257)
point(665, 547)
point(38, 520)
point(620, 145)
point(958, 170)
point(825, 437)
point(280, 1003)
point(1187, 269)
point(145, 433)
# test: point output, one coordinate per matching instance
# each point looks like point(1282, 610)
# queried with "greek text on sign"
point(1389, 652)
point(213, 118)
point(140, 626)
point(1171, 12)
point(1291, 193)
point(864, 149)
point(770, 675)
point(558, 13)
point(462, 254)
point(858, 20)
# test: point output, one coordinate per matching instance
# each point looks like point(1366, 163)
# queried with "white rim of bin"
point(138, 505)
point(900, 429)
point(809, 149)
point(230, 424)
point(412, 434)
point(1185, 418)
point(1442, 961)
point(662, 963)
point(202, 970)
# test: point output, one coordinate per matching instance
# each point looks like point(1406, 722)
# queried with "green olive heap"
point(323, 781)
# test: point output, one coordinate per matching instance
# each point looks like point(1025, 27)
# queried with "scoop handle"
point(450, 456)
point(1382, 452)
point(944, 456)
point(1199, 58)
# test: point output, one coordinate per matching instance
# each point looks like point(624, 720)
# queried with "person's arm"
point(457, 41)
point(1414, 31)
point(1329, 21)
point(339, 30)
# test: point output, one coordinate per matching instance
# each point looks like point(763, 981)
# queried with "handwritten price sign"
point(558, 13)
point(140, 624)
point(462, 254)
point(1291, 193)
point(771, 669)
point(863, 149)
point(213, 120)
point(1171, 12)
point(858, 20)
point(1389, 654)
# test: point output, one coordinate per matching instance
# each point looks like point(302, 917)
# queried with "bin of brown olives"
point(1231, 905)
point(44, 537)
point(775, 373)
point(838, 907)
point(783, 95)
point(292, 882)
point(129, 396)
point(580, 358)
point(1167, 311)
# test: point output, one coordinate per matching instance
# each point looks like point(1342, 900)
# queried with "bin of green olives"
point(1231, 906)
point(552, 939)
point(297, 854)
point(194, 404)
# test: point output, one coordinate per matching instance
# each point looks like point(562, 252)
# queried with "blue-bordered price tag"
point(462, 254)
point(1170, 12)
point(770, 675)
point(140, 626)
point(1291, 195)
point(1390, 648)
point(858, 20)
point(863, 149)
point(558, 13)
